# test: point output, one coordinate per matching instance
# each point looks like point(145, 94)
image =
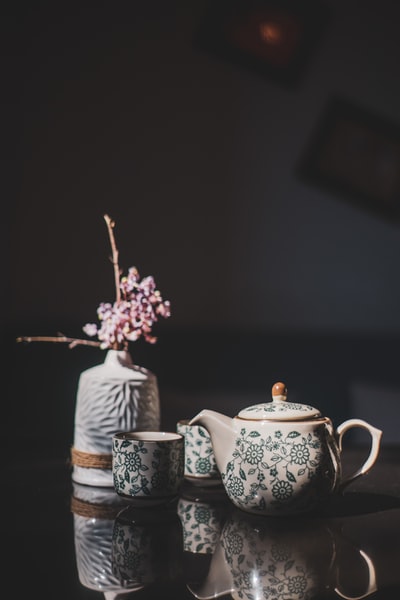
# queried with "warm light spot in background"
point(271, 33)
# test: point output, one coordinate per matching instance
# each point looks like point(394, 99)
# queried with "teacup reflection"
point(202, 514)
point(146, 546)
point(202, 524)
point(95, 510)
point(281, 560)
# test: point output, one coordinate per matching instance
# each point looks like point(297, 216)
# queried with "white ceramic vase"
point(112, 397)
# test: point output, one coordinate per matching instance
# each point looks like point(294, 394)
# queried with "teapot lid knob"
point(279, 392)
point(279, 409)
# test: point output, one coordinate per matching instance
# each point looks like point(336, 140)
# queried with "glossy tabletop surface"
point(65, 540)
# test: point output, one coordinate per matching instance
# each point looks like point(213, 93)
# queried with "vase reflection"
point(94, 511)
point(121, 549)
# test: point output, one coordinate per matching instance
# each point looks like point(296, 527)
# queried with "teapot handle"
point(372, 587)
point(376, 435)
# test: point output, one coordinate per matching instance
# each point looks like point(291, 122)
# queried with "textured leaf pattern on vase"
point(106, 407)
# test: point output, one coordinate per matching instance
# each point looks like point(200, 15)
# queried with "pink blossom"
point(131, 317)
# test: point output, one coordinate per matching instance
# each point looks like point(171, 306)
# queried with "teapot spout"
point(220, 428)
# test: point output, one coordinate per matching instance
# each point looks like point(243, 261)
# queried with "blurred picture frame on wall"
point(354, 153)
point(272, 38)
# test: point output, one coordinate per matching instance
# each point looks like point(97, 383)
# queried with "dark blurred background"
point(195, 146)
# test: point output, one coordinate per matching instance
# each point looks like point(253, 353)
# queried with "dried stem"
point(78, 342)
point(114, 258)
point(59, 338)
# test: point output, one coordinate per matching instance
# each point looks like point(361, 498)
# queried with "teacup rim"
point(148, 436)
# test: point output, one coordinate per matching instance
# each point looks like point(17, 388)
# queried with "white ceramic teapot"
point(280, 457)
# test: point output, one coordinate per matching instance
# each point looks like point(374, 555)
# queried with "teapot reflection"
point(281, 560)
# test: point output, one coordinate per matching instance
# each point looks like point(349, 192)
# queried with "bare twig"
point(60, 338)
point(114, 258)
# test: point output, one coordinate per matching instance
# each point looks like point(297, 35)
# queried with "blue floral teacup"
point(200, 466)
point(148, 466)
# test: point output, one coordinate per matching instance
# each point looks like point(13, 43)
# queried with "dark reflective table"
point(65, 540)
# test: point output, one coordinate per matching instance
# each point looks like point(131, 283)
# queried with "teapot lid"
point(279, 409)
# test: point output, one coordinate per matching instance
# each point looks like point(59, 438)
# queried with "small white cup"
point(148, 466)
point(200, 465)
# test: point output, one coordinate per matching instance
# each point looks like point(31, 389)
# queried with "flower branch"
point(114, 257)
point(58, 338)
point(138, 305)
